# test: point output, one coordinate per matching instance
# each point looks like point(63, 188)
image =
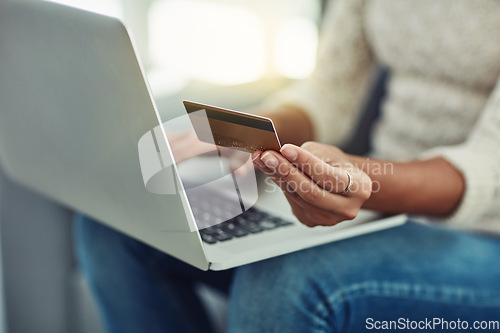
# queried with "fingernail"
point(255, 155)
point(269, 160)
point(289, 152)
point(256, 159)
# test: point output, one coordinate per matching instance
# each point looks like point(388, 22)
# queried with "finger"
point(322, 216)
point(302, 208)
point(278, 181)
point(312, 216)
point(360, 189)
point(301, 183)
point(258, 162)
point(332, 179)
point(299, 214)
point(327, 153)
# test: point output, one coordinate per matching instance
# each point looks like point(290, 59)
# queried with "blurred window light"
point(295, 47)
point(223, 42)
point(207, 41)
point(106, 7)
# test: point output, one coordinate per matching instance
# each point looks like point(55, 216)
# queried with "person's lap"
point(412, 271)
point(138, 288)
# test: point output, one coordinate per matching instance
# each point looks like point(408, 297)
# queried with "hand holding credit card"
point(233, 129)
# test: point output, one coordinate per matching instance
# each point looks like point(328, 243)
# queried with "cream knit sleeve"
point(334, 93)
point(478, 159)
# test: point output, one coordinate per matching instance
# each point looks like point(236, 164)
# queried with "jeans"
point(414, 276)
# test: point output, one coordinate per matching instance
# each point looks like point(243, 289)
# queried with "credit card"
point(234, 129)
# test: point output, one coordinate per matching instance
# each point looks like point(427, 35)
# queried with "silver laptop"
point(74, 104)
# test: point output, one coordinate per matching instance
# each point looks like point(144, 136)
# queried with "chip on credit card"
point(233, 129)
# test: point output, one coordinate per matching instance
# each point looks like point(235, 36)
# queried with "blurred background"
point(227, 53)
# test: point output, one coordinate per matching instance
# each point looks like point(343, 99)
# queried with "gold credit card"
point(232, 129)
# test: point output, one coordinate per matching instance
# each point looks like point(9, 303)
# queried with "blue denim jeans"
point(404, 279)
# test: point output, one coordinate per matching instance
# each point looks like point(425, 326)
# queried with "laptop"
point(74, 104)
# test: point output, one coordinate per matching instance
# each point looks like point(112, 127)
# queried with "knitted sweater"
point(443, 95)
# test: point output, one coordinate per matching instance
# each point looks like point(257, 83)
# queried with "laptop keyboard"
point(251, 221)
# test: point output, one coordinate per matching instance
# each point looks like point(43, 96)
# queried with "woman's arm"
point(461, 180)
point(315, 179)
point(430, 187)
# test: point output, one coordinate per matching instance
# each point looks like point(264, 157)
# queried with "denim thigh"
point(414, 272)
point(138, 288)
